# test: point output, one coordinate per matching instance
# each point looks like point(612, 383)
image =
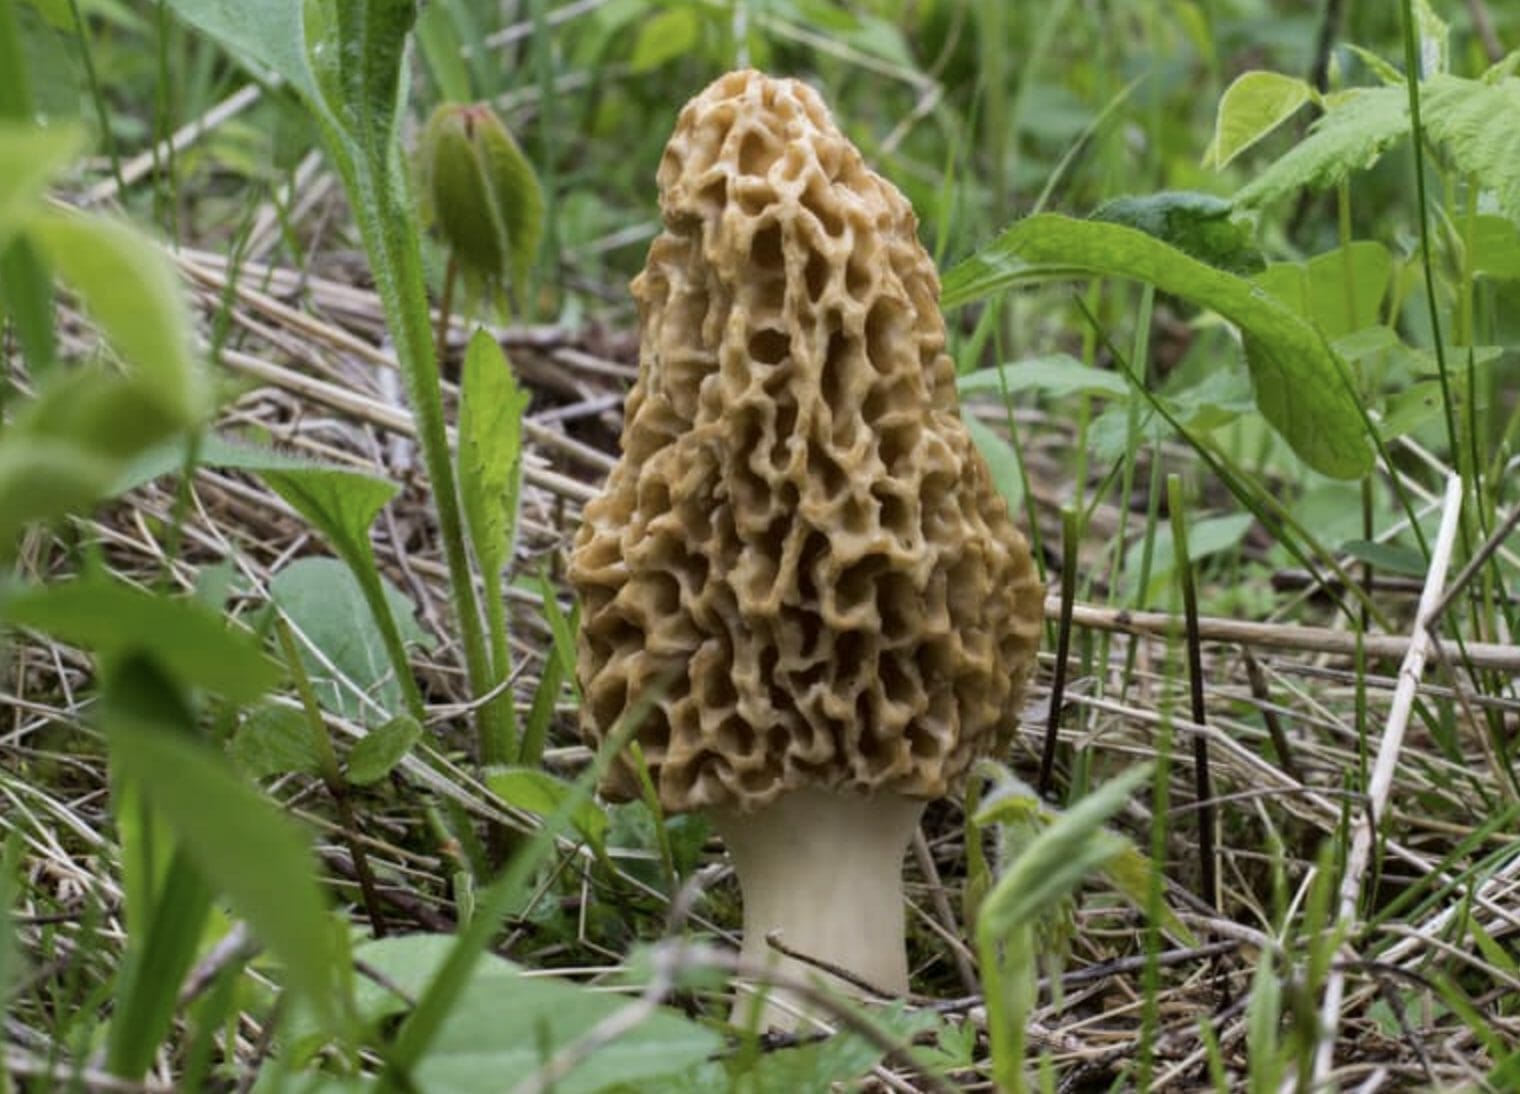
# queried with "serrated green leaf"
point(1250, 108)
point(1476, 122)
point(214, 450)
point(113, 618)
point(1356, 128)
point(376, 754)
point(1297, 379)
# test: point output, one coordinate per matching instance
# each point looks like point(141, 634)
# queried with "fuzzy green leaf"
point(541, 794)
point(376, 754)
point(1477, 122)
point(490, 450)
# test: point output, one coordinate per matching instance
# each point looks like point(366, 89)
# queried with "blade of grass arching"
point(1203, 786)
point(1276, 517)
point(1415, 902)
point(559, 628)
point(493, 905)
point(159, 954)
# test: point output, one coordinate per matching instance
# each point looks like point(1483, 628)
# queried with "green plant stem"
point(97, 97)
point(332, 777)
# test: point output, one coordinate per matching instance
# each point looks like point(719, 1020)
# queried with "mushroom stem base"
point(824, 869)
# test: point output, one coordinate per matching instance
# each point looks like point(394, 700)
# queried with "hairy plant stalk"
point(824, 869)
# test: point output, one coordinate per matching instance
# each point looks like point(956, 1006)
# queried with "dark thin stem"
point(1203, 785)
point(103, 115)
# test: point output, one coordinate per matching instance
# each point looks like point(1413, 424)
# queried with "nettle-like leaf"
point(1472, 120)
point(1358, 126)
point(1478, 122)
point(1297, 379)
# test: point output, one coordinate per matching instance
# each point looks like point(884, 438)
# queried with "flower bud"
point(481, 193)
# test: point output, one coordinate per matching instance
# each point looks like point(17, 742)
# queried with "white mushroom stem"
point(825, 870)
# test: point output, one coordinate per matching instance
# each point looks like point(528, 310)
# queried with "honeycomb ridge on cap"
point(799, 551)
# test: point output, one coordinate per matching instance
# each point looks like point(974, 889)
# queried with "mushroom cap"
point(799, 562)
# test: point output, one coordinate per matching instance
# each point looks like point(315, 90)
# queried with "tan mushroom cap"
point(800, 542)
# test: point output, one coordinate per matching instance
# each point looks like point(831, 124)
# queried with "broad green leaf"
point(1356, 128)
point(357, 64)
point(236, 837)
point(537, 792)
point(342, 505)
point(664, 37)
point(1297, 378)
point(490, 450)
point(1496, 247)
point(113, 618)
point(1340, 291)
point(1387, 556)
point(267, 36)
point(1198, 225)
point(43, 479)
point(1250, 108)
point(326, 603)
point(1002, 461)
point(378, 752)
point(1058, 374)
point(274, 740)
point(29, 156)
point(133, 293)
point(504, 1025)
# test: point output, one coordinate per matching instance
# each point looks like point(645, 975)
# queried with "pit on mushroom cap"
point(799, 535)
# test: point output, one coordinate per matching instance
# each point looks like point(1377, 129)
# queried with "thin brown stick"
point(1278, 636)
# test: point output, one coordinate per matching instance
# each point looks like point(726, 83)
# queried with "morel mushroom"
point(799, 546)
